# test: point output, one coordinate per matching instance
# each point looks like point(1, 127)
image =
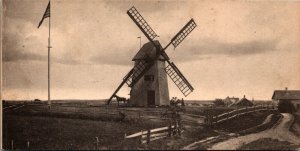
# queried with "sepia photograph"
point(150, 75)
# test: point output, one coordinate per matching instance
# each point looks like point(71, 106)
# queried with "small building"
point(244, 102)
point(230, 100)
point(288, 96)
point(37, 101)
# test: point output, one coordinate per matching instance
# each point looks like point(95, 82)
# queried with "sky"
point(238, 47)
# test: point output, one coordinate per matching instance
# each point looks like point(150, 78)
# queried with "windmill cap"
point(147, 51)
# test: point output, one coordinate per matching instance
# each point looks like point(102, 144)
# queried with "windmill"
point(148, 77)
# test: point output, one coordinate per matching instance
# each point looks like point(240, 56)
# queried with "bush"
point(219, 102)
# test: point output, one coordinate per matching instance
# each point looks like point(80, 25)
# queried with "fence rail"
point(238, 112)
point(154, 134)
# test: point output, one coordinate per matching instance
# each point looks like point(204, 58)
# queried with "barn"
point(287, 96)
point(152, 88)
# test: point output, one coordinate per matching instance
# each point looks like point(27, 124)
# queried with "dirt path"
point(296, 127)
point(209, 140)
point(193, 118)
point(279, 131)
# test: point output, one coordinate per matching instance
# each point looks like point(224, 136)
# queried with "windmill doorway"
point(151, 97)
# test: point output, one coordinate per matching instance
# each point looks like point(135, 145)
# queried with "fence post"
point(27, 144)
point(148, 136)
point(141, 137)
point(97, 141)
point(169, 130)
point(212, 120)
point(12, 144)
point(175, 128)
point(179, 128)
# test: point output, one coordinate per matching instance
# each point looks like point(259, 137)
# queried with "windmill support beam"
point(116, 91)
point(119, 87)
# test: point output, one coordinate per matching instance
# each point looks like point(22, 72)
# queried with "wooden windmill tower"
point(148, 77)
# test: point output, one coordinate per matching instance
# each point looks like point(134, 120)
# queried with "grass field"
point(68, 126)
point(76, 124)
point(244, 122)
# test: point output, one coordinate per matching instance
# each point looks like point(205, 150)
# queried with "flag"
point(46, 14)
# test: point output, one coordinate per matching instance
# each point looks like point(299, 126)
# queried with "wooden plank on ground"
point(135, 134)
point(156, 135)
point(151, 131)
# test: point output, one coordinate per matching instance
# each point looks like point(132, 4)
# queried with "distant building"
point(244, 102)
point(292, 96)
point(37, 100)
point(228, 100)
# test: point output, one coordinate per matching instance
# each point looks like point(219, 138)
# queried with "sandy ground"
point(280, 132)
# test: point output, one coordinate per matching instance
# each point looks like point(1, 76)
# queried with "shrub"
point(219, 102)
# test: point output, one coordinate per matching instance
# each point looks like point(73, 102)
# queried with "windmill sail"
point(141, 23)
point(182, 34)
point(180, 81)
point(139, 70)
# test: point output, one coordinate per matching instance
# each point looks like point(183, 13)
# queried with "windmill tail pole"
point(119, 87)
point(116, 91)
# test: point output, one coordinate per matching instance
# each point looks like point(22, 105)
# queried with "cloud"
point(208, 47)
point(112, 59)
point(15, 50)
point(234, 49)
point(17, 56)
point(27, 43)
point(203, 50)
point(140, 5)
point(19, 43)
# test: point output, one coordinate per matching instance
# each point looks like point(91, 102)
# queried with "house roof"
point(286, 95)
point(240, 102)
point(148, 51)
point(231, 98)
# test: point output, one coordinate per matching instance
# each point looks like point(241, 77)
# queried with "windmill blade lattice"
point(141, 23)
point(180, 81)
point(182, 34)
point(139, 70)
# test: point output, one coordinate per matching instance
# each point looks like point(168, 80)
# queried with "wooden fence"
point(148, 136)
point(238, 112)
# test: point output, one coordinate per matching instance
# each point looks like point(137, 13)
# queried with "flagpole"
point(49, 46)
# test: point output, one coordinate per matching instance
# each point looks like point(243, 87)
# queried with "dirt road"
point(279, 131)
